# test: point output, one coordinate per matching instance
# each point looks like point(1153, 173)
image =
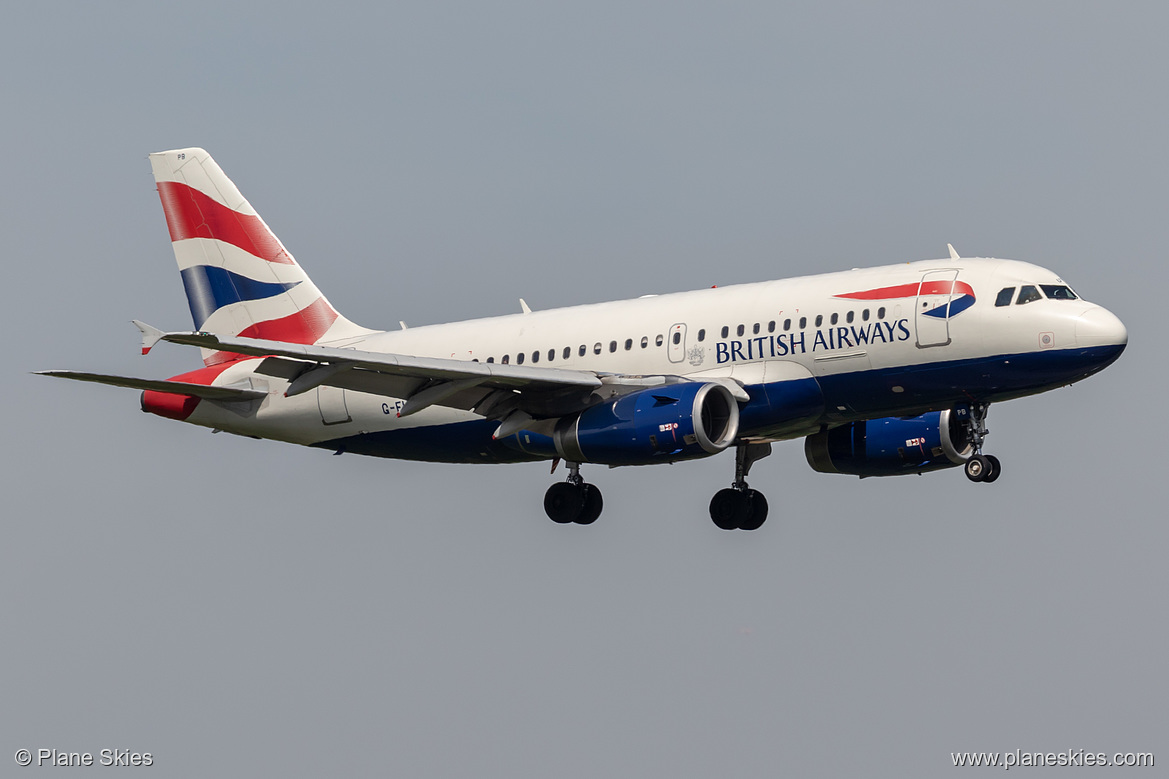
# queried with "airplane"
point(883, 371)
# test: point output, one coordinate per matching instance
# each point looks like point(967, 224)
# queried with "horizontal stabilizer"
point(173, 387)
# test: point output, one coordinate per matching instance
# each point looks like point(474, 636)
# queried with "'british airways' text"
point(822, 340)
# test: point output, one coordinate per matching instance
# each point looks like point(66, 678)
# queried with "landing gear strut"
point(980, 467)
point(573, 500)
point(740, 507)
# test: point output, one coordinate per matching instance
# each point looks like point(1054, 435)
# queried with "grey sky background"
point(245, 608)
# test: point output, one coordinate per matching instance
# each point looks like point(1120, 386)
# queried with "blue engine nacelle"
point(661, 424)
point(892, 446)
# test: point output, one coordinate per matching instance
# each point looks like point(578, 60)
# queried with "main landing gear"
point(739, 507)
point(980, 467)
point(573, 500)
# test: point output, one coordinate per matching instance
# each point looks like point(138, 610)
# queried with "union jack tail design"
point(239, 278)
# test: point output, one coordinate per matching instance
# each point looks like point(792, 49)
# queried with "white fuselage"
point(879, 353)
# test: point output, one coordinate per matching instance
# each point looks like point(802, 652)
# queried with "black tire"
point(996, 468)
point(756, 510)
point(564, 502)
point(593, 503)
point(728, 508)
point(977, 468)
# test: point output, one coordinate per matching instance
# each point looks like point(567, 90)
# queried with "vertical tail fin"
point(239, 278)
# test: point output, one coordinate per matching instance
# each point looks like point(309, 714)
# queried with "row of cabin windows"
point(583, 349)
point(676, 338)
point(849, 317)
point(1028, 293)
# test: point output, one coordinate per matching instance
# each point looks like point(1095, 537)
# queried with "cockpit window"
point(1057, 292)
point(1027, 294)
point(1005, 295)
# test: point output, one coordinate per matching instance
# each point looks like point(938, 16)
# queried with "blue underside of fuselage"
point(775, 408)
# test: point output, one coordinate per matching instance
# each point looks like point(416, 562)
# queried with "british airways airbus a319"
point(882, 371)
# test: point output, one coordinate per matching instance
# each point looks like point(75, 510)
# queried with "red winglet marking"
point(192, 214)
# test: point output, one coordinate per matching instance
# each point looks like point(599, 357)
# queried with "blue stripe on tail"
point(210, 288)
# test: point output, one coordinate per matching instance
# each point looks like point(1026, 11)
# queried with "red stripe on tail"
point(192, 214)
point(304, 327)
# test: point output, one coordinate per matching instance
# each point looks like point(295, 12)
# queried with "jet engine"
point(672, 422)
point(892, 446)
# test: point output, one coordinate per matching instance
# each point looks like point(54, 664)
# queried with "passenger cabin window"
point(1004, 298)
point(726, 331)
point(597, 348)
point(568, 352)
point(504, 360)
point(881, 312)
point(1057, 292)
point(659, 340)
point(535, 356)
point(628, 344)
point(755, 329)
point(865, 315)
point(835, 318)
point(490, 359)
point(771, 326)
point(612, 346)
point(583, 350)
point(803, 322)
point(701, 336)
point(787, 324)
point(519, 359)
point(819, 319)
point(740, 330)
point(644, 341)
point(849, 317)
point(1028, 294)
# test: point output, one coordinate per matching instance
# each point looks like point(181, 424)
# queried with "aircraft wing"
point(515, 393)
point(520, 397)
point(486, 374)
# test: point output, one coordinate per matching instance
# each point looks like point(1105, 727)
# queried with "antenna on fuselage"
point(953, 253)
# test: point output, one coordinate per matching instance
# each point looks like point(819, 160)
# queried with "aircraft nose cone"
point(1100, 327)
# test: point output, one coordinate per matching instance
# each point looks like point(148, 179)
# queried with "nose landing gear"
point(739, 507)
point(980, 467)
point(573, 500)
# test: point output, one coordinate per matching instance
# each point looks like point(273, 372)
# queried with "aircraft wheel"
point(728, 509)
point(756, 510)
point(593, 503)
point(978, 467)
point(995, 468)
point(564, 502)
